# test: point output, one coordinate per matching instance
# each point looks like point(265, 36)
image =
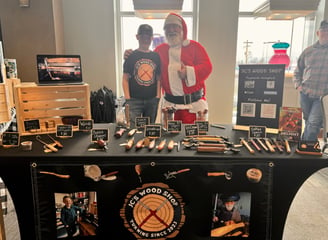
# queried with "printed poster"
point(260, 94)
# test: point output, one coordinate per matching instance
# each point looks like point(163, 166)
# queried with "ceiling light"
point(286, 10)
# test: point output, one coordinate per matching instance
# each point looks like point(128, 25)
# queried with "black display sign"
point(31, 125)
point(202, 126)
point(85, 125)
point(99, 134)
point(260, 92)
point(10, 139)
point(174, 126)
point(257, 132)
point(141, 122)
point(153, 131)
point(64, 130)
point(191, 129)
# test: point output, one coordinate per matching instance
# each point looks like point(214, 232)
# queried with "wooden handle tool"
point(49, 146)
point(129, 144)
point(170, 145)
point(55, 174)
point(151, 144)
point(249, 148)
point(262, 145)
point(269, 145)
point(140, 144)
point(58, 144)
point(119, 132)
point(278, 145)
point(220, 231)
point(132, 132)
point(210, 149)
point(255, 145)
point(161, 145)
point(287, 146)
point(138, 170)
point(215, 174)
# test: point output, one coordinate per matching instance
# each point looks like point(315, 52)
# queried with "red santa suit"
point(187, 96)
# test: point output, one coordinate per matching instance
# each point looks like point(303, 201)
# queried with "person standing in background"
point(141, 78)
point(311, 80)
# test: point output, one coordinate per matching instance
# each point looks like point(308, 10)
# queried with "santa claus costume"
point(186, 96)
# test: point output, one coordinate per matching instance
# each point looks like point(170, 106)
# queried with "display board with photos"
point(141, 200)
point(260, 94)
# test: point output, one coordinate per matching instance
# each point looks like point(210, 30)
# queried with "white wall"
point(89, 31)
point(218, 26)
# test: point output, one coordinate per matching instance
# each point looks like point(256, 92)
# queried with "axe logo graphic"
point(153, 211)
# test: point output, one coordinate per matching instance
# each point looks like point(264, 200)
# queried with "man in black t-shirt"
point(141, 78)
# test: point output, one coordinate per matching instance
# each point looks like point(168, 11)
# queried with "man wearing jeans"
point(311, 79)
point(141, 83)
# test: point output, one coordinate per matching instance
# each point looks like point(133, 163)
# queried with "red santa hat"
point(174, 18)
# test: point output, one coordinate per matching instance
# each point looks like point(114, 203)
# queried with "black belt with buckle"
point(185, 99)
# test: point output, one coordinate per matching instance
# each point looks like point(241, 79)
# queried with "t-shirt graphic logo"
point(144, 72)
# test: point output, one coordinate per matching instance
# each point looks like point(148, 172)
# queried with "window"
point(257, 35)
point(128, 24)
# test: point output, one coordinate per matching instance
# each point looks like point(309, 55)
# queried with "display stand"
point(194, 177)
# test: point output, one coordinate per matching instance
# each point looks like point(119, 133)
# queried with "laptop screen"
point(59, 69)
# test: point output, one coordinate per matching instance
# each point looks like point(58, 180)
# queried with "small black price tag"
point(257, 132)
point(85, 125)
point(64, 130)
point(153, 131)
point(141, 122)
point(99, 134)
point(203, 126)
point(174, 126)
point(10, 139)
point(32, 125)
point(191, 129)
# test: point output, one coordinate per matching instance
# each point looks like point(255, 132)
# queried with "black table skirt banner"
point(153, 200)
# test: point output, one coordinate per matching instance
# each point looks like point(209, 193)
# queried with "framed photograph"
point(76, 214)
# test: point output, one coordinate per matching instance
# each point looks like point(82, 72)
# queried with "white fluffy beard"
point(174, 39)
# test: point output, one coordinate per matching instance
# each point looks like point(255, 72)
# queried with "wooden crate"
point(11, 83)
point(50, 104)
point(4, 104)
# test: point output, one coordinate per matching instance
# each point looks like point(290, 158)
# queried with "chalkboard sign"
point(85, 125)
point(191, 129)
point(260, 92)
point(32, 125)
point(257, 132)
point(141, 122)
point(64, 130)
point(99, 134)
point(174, 126)
point(153, 131)
point(10, 139)
point(202, 126)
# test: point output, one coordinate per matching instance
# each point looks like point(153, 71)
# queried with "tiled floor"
point(308, 216)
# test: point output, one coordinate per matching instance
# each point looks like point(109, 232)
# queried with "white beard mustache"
point(229, 207)
point(174, 39)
